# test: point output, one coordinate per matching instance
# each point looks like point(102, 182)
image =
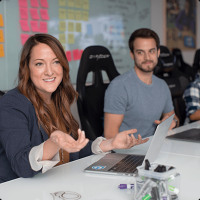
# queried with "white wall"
point(158, 24)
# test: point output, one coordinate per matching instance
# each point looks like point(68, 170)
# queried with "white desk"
point(70, 177)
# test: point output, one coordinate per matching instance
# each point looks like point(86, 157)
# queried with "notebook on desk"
point(191, 135)
point(125, 164)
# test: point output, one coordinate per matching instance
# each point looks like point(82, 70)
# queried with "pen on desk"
point(126, 186)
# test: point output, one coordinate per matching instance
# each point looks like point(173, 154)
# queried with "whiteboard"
point(109, 23)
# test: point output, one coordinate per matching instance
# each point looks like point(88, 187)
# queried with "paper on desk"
point(1, 50)
point(34, 13)
point(1, 36)
point(23, 13)
point(34, 3)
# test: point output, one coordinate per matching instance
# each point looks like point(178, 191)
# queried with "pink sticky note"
point(76, 55)
point(23, 3)
point(80, 53)
point(23, 13)
point(34, 13)
point(34, 3)
point(24, 25)
point(43, 27)
point(69, 55)
point(34, 26)
point(44, 3)
point(44, 14)
point(24, 37)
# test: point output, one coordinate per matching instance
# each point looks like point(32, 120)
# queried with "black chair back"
point(90, 103)
point(196, 63)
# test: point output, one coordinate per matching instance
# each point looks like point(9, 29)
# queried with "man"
point(137, 98)
point(192, 101)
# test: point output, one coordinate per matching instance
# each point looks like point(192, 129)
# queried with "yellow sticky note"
point(86, 4)
point(62, 2)
point(1, 20)
point(1, 50)
point(64, 47)
point(62, 14)
point(70, 14)
point(78, 15)
point(62, 26)
point(71, 38)
point(78, 27)
point(85, 16)
point(62, 38)
point(78, 3)
point(1, 36)
point(70, 3)
point(70, 26)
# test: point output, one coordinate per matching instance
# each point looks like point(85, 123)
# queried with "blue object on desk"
point(126, 186)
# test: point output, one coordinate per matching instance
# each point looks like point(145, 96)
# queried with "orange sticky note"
point(24, 37)
point(1, 50)
point(1, 20)
point(34, 13)
point(69, 55)
point(43, 27)
point(23, 13)
point(34, 26)
point(76, 54)
point(44, 14)
point(24, 25)
point(1, 36)
point(34, 3)
point(44, 3)
point(23, 3)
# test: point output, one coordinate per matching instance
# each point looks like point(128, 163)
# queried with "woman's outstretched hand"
point(68, 143)
point(123, 140)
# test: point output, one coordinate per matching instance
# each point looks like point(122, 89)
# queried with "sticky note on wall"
point(24, 25)
point(1, 20)
point(62, 2)
point(34, 13)
point(70, 14)
point(23, 13)
point(62, 13)
point(43, 27)
point(69, 55)
point(62, 26)
point(1, 36)
point(70, 3)
point(78, 27)
point(78, 15)
point(62, 38)
point(70, 38)
point(86, 4)
point(34, 3)
point(23, 3)
point(76, 54)
point(44, 14)
point(85, 16)
point(34, 26)
point(1, 50)
point(44, 3)
point(70, 26)
point(24, 37)
point(78, 3)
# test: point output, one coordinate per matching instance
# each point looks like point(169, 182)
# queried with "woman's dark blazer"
point(19, 133)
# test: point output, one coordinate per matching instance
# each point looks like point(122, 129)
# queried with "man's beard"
point(147, 68)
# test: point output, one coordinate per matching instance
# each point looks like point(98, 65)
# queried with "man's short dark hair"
point(143, 33)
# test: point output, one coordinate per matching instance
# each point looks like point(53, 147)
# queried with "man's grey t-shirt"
point(140, 103)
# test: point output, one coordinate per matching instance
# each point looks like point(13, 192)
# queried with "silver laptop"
point(125, 164)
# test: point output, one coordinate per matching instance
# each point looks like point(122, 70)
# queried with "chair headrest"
point(197, 57)
point(166, 57)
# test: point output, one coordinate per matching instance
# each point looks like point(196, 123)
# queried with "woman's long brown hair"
point(64, 95)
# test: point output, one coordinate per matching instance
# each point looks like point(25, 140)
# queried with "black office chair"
point(196, 63)
point(1, 93)
point(175, 79)
point(90, 103)
point(183, 66)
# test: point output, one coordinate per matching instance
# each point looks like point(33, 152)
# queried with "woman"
point(37, 129)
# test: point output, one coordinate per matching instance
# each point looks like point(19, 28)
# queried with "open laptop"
point(191, 135)
point(125, 164)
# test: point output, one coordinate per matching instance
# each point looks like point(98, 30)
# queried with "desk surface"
point(70, 177)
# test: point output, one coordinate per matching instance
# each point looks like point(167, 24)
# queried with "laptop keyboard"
point(128, 164)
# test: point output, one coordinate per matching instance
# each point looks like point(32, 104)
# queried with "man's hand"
point(123, 140)
point(67, 143)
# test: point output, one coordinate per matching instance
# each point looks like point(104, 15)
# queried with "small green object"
point(147, 197)
point(142, 177)
point(171, 188)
